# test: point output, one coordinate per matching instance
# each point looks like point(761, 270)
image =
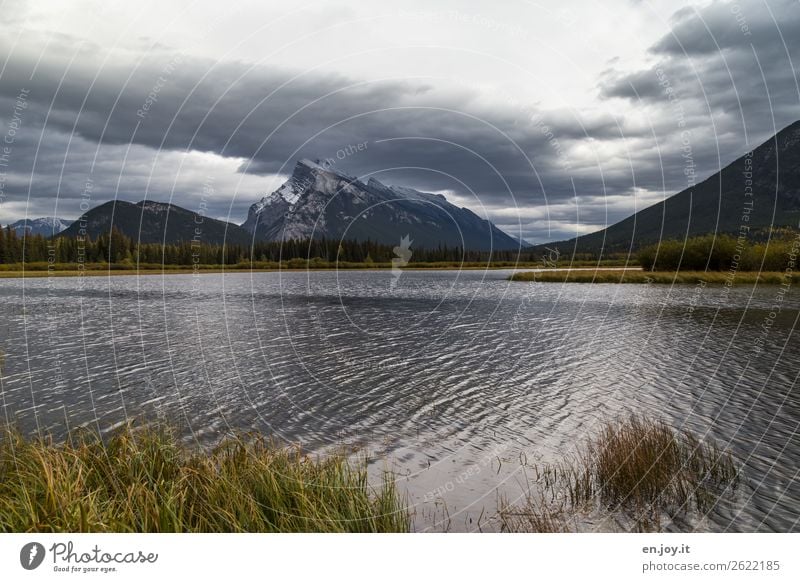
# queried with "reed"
point(144, 480)
point(638, 473)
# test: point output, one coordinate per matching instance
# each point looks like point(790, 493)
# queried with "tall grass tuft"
point(144, 480)
point(636, 472)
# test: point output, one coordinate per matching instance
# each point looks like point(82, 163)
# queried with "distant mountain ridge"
point(319, 202)
point(315, 202)
point(157, 222)
point(763, 184)
point(45, 226)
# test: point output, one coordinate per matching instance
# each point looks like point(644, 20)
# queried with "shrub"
point(716, 253)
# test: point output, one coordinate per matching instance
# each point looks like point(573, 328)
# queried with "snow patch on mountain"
point(46, 226)
point(320, 201)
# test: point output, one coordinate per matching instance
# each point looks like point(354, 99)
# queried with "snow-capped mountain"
point(46, 226)
point(319, 202)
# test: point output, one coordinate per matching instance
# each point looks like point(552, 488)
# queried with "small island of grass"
point(638, 276)
point(715, 260)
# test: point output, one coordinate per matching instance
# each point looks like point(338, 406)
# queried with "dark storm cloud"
point(733, 68)
point(82, 105)
point(724, 80)
point(730, 25)
point(122, 118)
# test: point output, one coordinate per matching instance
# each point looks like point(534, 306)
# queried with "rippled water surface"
point(450, 379)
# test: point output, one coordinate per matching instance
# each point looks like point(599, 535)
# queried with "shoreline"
point(94, 272)
point(144, 478)
point(524, 273)
point(151, 272)
point(639, 277)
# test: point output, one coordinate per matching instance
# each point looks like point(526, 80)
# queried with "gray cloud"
point(125, 119)
point(81, 107)
point(733, 67)
point(734, 26)
point(725, 79)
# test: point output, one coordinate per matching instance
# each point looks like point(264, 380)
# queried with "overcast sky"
point(549, 123)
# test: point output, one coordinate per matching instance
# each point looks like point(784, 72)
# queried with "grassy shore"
point(145, 481)
point(104, 270)
point(33, 274)
point(43, 269)
point(635, 474)
point(637, 276)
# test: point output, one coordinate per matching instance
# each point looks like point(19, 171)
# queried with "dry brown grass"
point(637, 471)
point(146, 481)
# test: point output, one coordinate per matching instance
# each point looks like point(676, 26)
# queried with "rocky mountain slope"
point(763, 185)
point(318, 202)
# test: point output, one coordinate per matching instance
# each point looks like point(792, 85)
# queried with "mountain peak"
point(46, 226)
point(319, 200)
point(150, 221)
point(305, 166)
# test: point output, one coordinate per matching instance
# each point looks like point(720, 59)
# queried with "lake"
point(453, 380)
